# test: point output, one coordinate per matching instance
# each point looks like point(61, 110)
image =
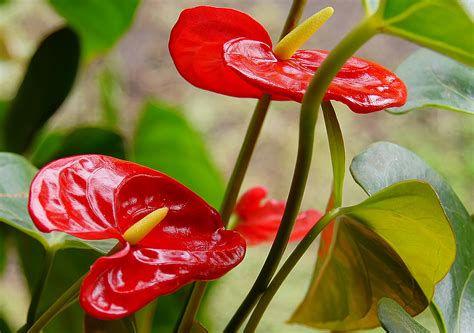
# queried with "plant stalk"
point(308, 118)
point(287, 267)
point(239, 171)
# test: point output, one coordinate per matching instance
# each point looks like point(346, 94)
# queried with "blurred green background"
point(140, 68)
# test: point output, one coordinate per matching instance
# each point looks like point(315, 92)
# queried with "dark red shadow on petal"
point(362, 85)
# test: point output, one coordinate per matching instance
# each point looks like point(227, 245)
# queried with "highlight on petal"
point(123, 283)
point(99, 197)
point(259, 219)
point(362, 85)
point(196, 46)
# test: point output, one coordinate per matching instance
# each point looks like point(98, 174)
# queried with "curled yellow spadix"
point(140, 229)
point(293, 41)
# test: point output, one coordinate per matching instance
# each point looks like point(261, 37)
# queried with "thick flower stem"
point(308, 118)
point(36, 297)
point(238, 173)
point(287, 267)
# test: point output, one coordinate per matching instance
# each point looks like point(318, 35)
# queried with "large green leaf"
point(16, 174)
point(47, 82)
point(165, 141)
point(442, 25)
point(384, 164)
point(395, 319)
point(434, 80)
point(82, 140)
point(100, 23)
point(397, 243)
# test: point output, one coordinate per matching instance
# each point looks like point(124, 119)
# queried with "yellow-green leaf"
point(398, 244)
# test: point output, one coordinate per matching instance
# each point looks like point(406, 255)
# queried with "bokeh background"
point(143, 70)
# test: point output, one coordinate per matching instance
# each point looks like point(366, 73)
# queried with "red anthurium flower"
point(170, 236)
point(228, 52)
point(259, 219)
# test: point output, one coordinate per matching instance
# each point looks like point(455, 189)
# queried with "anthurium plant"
point(120, 233)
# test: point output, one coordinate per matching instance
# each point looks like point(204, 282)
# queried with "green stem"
point(287, 267)
point(336, 147)
point(239, 171)
point(36, 297)
point(438, 317)
point(66, 299)
point(308, 117)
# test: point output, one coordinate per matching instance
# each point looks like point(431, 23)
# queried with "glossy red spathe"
point(259, 218)
point(228, 52)
point(98, 197)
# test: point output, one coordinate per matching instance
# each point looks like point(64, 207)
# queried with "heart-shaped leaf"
point(384, 164)
point(395, 319)
point(442, 25)
point(434, 80)
point(397, 243)
point(82, 140)
point(47, 82)
point(165, 141)
point(16, 174)
point(99, 23)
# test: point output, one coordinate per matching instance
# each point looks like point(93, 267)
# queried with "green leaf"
point(47, 82)
point(384, 164)
point(197, 328)
point(397, 243)
point(442, 25)
point(124, 325)
point(395, 319)
point(99, 23)
point(83, 140)
point(16, 174)
point(436, 81)
point(166, 142)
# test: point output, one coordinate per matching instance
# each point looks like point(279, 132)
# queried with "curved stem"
point(309, 111)
point(336, 147)
point(238, 173)
point(285, 270)
point(66, 299)
point(36, 297)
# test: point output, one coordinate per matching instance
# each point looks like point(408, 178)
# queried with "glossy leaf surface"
point(383, 164)
point(207, 42)
point(434, 80)
point(397, 243)
point(99, 23)
point(395, 319)
point(46, 84)
point(419, 21)
point(100, 197)
point(259, 218)
point(164, 140)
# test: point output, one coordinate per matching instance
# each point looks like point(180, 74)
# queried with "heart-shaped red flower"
point(228, 52)
point(98, 197)
point(259, 219)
